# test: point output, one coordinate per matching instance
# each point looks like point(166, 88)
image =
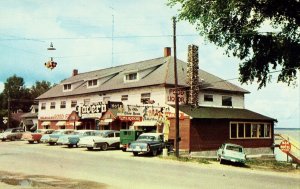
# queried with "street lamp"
point(51, 64)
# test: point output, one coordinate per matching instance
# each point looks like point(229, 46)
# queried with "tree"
point(236, 26)
point(39, 88)
point(14, 88)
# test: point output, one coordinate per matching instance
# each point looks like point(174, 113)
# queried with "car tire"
point(154, 152)
point(124, 149)
point(70, 145)
point(135, 153)
point(51, 143)
point(104, 146)
point(221, 161)
point(89, 148)
point(30, 142)
point(3, 139)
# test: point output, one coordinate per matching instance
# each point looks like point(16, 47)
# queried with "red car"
point(36, 136)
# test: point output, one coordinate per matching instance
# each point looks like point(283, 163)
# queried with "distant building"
point(29, 120)
point(141, 95)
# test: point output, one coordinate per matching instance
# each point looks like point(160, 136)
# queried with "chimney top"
point(75, 72)
point(167, 51)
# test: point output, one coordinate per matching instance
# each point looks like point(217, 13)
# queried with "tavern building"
point(142, 95)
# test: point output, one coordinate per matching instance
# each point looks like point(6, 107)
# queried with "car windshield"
point(8, 130)
point(234, 148)
point(56, 132)
point(147, 138)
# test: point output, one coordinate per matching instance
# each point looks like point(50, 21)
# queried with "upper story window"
point(52, 105)
point(92, 83)
point(124, 97)
point(226, 101)
point(208, 98)
point(73, 103)
point(145, 98)
point(86, 101)
point(43, 107)
point(67, 87)
point(131, 77)
point(62, 104)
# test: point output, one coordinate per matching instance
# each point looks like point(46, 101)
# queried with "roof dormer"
point(131, 76)
point(92, 83)
point(67, 87)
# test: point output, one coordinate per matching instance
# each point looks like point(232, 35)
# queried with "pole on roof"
point(177, 139)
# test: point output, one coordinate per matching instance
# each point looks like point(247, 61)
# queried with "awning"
point(145, 123)
point(45, 123)
point(105, 121)
point(61, 123)
point(78, 123)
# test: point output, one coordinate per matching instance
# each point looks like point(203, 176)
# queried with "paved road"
point(121, 170)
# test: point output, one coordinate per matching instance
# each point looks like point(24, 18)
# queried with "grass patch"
point(270, 165)
point(186, 159)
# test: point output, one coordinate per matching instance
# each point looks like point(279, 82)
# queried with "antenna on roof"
point(112, 35)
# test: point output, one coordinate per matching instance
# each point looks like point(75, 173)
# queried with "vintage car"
point(56, 134)
point(108, 135)
point(36, 136)
point(12, 134)
point(150, 143)
point(73, 139)
point(231, 152)
point(127, 136)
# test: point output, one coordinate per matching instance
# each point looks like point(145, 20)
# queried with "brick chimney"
point(167, 51)
point(75, 72)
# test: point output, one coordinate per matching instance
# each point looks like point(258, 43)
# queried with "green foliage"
point(236, 25)
point(39, 88)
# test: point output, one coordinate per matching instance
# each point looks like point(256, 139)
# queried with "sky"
point(97, 34)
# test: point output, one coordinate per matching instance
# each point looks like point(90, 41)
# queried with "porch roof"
point(223, 113)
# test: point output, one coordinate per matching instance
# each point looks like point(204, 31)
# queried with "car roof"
point(231, 144)
point(151, 134)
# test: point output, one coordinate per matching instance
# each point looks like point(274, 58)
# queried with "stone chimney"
point(75, 72)
point(167, 51)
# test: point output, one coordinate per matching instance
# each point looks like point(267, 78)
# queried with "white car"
point(231, 152)
point(106, 139)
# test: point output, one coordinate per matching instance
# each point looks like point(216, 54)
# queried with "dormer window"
point(131, 77)
point(92, 83)
point(67, 87)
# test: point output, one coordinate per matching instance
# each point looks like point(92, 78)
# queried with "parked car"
point(111, 139)
point(73, 139)
point(12, 134)
point(127, 136)
point(150, 143)
point(231, 152)
point(109, 136)
point(56, 134)
point(36, 136)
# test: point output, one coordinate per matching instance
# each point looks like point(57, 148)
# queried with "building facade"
point(142, 95)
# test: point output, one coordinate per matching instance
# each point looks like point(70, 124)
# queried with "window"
point(62, 104)
point(208, 98)
point(250, 130)
point(145, 98)
point(131, 77)
point(67, 87)
point(124, 97)
point(86, 101)
point(226, 101)
point(92, 83)
point(43, 107)
point(52, 105)
point(73, 103)
point(106, 99)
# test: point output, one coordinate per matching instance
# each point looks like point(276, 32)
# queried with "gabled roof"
point(223, 113)
point(161, 72)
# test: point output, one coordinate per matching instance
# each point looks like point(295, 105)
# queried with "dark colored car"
point(127, 136)
point(148, 143)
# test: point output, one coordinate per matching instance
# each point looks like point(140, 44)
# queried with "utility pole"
point(8, 110)
point(177, 139)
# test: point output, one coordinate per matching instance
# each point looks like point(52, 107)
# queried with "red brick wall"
point(210, 134)
point(184, 132)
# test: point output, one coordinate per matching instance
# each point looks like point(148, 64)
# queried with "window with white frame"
point(131, 77)
point(67, 87)
point(124, 97)
point(246, 130)
point(145, 98)
point(43, 106)
point(62, 104)
point(92, 83)
point(208, 98)
point(73, 103)
point(86, 101)
point(226, 101)
point(52, 105)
